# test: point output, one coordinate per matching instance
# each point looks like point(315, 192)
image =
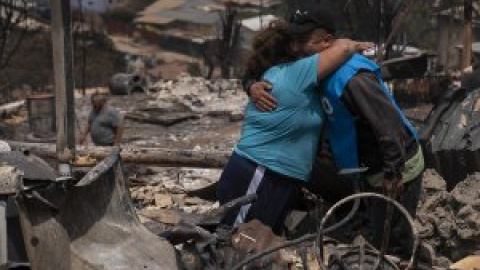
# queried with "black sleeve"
point(471, 81)
point(365, 98)
point(246, 84)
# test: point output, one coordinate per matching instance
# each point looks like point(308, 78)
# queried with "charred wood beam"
point(63, 77)
point(147, 156)
point(467, 33)
point(163, 120)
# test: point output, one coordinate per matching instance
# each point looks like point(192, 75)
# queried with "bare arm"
point(83, 137)
point(340, 51)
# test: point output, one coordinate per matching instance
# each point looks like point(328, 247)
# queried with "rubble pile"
point(157, 189)
point(187, 113)
point(450, 221)
point(448, 218)
point(223, 97)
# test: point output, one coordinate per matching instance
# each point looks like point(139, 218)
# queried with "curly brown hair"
point(270, 47)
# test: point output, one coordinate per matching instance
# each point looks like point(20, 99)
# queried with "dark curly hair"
point(270, 47)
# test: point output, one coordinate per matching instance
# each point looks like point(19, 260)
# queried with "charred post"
point(64, 83)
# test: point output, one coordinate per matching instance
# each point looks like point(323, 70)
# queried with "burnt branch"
point(229, 39)
point(13, 27)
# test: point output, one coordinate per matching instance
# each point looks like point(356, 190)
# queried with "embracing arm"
point(331, 58)
point(334, 56)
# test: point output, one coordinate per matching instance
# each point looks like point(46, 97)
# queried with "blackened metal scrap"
point(215, 216)
point(444, 103)
point(402, 210)
point(339, 260)
point(36, 195)
point(126, 84)
point(184, 232)
point(451, 135)
point(100, 169)
point(95, 227)
point(33, 167)
point(357, 257)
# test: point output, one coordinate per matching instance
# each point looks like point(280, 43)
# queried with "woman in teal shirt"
point(275, 153)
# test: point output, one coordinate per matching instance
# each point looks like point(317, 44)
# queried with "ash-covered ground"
point(192, 113)
point(450, 221)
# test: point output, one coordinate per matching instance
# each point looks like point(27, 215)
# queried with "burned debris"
point(81, 224)
point(173, 73)
point(451, 135)
point(448, 221)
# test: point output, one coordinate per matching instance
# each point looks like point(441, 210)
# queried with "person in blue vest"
point(365, 128)
point(275, 152)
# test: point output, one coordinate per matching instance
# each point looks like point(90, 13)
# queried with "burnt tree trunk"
point(229, 40)
point(13, 16)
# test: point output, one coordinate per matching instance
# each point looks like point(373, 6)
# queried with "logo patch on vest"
point(327, 106)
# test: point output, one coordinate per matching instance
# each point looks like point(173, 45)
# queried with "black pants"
point(401, 239)
point(275, 193)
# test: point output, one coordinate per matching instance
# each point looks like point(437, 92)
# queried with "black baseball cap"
point(304, 20)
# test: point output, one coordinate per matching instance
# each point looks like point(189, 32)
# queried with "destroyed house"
point(182, 25)
point(186, 25)
point(450, 25)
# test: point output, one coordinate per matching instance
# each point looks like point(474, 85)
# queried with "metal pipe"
point(402, 210)
point(347, 218)
point(356, 174)
point(305, 238)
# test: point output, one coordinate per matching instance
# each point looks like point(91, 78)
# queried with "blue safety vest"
point(341, 123)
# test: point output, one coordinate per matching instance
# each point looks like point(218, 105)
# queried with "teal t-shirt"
point(286, 139)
